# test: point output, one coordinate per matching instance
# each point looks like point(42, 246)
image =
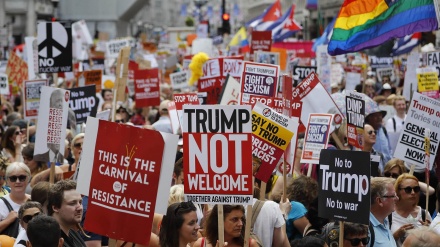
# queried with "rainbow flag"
point(363, 24)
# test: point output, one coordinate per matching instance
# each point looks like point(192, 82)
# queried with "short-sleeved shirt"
point(298, 211)
point(269, 218)
point(382, 233)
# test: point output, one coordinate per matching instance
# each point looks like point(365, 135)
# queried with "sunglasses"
point(78, 145)
point(371, 132)
point(28, 218)
point(119, 121)
point(18, 132)
point(409, 189)
point(393, 175)
point(21, 178)
point(357, 241)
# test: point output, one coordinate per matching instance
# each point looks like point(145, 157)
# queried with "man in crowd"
point(65, 206)
point(382, 145)
point(44, 231)
point(394, 124)
point(164, 122)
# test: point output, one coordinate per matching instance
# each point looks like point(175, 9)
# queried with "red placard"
point(261, 41)
point(124, 182)
point(16, 69)
point(181, 99)
point(146, 87)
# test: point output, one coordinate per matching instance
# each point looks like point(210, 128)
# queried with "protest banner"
point(230, 94)
point(304, 101)
point(179, 80)
point(258, 79)
point(103, 115)
point(93, 64)
point(267, 57)
point(113, 47)
point(203, 97)
point(233, 66)
point(146, 87)
point(81, 40)
point(423, 113)
point(184, 99)
point(380, 62)
point(32, 56)
point(431, 59)
point(271, 135)
point(410, 84)
point(16, 69)
point(387, 71)
point(427, 79)
point(352, 77)
point(344, 186)
point(4, 84)
point(316, 137)
point(174, 118)
point(218, 166)
point(125, 185)
point(211, 82)
point(355, 111)
point(261, 41)
point(91, 77)
point(83, 102)
point(299, 73)
point(54, 47)
point(32, 93)
point(324, 68)
point(52, 124)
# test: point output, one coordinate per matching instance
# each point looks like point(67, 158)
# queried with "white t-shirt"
point(435, 224)
point(399, 124)
point(269, 218)
point(399, 221)
point(4, 211)
point(21, 239)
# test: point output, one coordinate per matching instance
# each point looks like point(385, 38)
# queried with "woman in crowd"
point(407, 214)
point(76, 148)
point(234, 225)
point(179, 226)
point(34, 166)
point(18, 176)
point(369, 141)
point(27, 211)
point(11, 143)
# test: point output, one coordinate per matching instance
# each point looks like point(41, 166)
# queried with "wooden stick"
point(27, 132)
point(309, 170)
point(341, 233)
point(55, 79)
point(263, 191)
point(283, 198)
point(411, 170)
point(221, 226)
point(247, 230)
point(112, 242)
point(52, 173)
point(427, 156)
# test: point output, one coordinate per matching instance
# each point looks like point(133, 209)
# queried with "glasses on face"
point(18, 132)
point(122, 110)
point(409, 189)
point(371, 132)
point(21, 178)
point(119, 121)
point(78, 145)
point(357, 241)
point(389, 196)
point(393, 175)
point(27, 218)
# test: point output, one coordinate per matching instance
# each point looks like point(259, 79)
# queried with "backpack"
point(255, 211)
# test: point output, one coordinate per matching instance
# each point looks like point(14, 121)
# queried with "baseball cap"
point(164, 105)
point(386, 86)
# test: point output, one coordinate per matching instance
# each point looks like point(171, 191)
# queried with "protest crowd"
point(127, 143)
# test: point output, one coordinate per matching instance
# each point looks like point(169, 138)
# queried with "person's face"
point(255, 166)
point(28, 214)
point(356, 240)
point(18, 180)
point(375, 120)
point(389, 199)
point(77, 148)
point(56, 100)
point(385, 79)
point(70, 212)
point(369, 135)
point(234, 223)
point(411, 186)
point(188, 230)
point(108, 96)
point(393, 173)
point(16, 133)
point(106, 106)
point(31, 163)
point(400, 106)
point(119, 118)
point(178, 179)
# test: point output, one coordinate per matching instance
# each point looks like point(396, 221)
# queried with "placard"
point(16, 69)
point(83, 102)
point(355, 111)
point(230, 94)
point(258, 79)
point(316, 137)
point(299, 73)
point(218, 166)
point(32, 93)
point(179, 80)
point(261, 41)
point(267, 57)
point(4, 84)
point(428, 82)
point(344, 186)
point(146, 87)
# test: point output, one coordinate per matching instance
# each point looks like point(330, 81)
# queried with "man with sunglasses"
point(374, 118)
point(383, 199)
point(26, 213)
point(355, 235)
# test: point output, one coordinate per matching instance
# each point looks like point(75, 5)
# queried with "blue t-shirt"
point(298, 211)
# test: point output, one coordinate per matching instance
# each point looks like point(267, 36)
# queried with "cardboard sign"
point(355, 109)
point(410, 84)
point(211, 82)
point(258, 79)
point(271, 136)
point(267, 57)
point(52, 124)
point(83, 102)
point(91, 77)
point(316, 137)
point(261, 41)
point(205, 45)
point(344, 186)
point(103, 115)
point(428, 82)
point(146, 87)
point(114, 46)
point(218, 166)
point(4, 84)
point(424, 112)
point(179, 80)
point(432, 59)
point(388, 71)
point(32, 93)
point(32, 56)
point(179, 101)
point(54, 47)
point(304, 101)
point(230, 94)
point(121, 169)
point(352, 78)
point(380, 62)
point(16, 69)
point(299, 73)
point(233, 66)
point(324, 66)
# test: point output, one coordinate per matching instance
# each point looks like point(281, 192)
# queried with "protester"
point(178, 175)
point(40, 193)
point(164, 122)
point(395, 123)
point(44, 231)
point(18, 176)
point(374, 118)
point(76, 148)
point(11, 143)
point(65, 205)
point(234, 225)
point(35, 167)
point(408, 215)
point(368, 142)
point(107, 95)
point(179, 226)
point(309, 241)
point(383, 199)
point(124, 111)
point(26, 213)
point(422, 237)
point(4, 162)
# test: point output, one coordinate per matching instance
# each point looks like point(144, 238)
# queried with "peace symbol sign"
point(52, 39)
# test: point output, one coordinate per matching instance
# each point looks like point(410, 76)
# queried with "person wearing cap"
point(124, 111)
point(369, 88)
point(164, 122)
point(386, 90)
point(382, 145)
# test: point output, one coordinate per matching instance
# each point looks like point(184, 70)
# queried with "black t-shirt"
point(73, 240)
